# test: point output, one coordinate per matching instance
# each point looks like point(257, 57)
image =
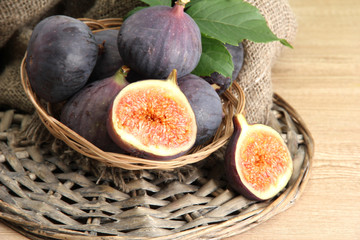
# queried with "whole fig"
point(86, 112)
point(158, 39)
point(61, 55)
point(221, 82)
point(206, 105)
point(108, 60)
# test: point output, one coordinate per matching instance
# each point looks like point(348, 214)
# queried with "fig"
point(86, 112)
point(152, 119)
point(206, 105)
point(108, 60)
point(157, 39)
point(61, 55)
point(221, 82)
point(257, 161)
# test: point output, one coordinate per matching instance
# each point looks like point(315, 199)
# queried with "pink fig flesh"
point(152, 119)
point(257, 161)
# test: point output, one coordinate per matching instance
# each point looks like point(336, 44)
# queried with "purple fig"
point(158, 39)
point(61, 55)
point(86, 112)
point(206, 105)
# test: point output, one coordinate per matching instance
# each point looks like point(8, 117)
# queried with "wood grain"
point(320, 78)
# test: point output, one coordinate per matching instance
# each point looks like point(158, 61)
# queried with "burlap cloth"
point(17, 18)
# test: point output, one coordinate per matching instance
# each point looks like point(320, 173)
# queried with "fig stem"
point(125, 69)
point(120, 75)
point(101, 48)
point(182, 2)
point(173, 77)
point(178, 9)
point(241, 120)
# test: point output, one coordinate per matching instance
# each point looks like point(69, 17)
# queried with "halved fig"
point(257, 161)
point(153, 119)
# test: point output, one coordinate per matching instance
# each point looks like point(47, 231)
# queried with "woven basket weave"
point(48, 196)
point(233, 102)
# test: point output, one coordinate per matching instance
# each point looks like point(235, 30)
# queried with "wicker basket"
point(233, 102)
point(45, 195)
point(48, 196)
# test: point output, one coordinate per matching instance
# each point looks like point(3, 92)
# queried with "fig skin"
point(143, 141)
point(109, 59)
point(61, 55)
point(158, 39)
point(237, 55)
point(86, 112)
point(221, 82)
point(233, 161)
point(206, 105)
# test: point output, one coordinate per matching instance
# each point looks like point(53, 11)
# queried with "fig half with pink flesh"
point(153, 119)
point(257, 161)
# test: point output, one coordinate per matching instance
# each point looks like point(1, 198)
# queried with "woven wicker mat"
point(44, 195)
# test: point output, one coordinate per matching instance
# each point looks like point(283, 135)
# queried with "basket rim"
point(234, 105)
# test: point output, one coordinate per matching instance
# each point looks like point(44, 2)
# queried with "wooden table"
point(320, 78)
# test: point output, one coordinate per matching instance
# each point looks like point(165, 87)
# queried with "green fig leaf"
point(157, 2)
point(151, 3)
point(214, 58)
point(231, 21)
point(131, 12)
